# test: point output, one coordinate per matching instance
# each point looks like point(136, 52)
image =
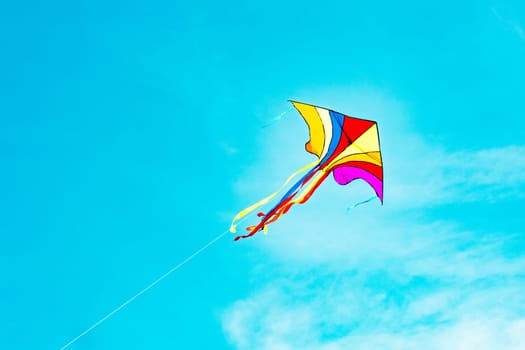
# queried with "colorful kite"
point(348, 147)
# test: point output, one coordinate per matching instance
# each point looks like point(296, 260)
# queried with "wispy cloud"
point(431, 176)
point(359, 318)
point(396, 278)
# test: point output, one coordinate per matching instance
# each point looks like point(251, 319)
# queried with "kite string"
point(144, 290)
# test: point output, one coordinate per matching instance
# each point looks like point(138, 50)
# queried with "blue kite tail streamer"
point(277, 118)
point(359, 203)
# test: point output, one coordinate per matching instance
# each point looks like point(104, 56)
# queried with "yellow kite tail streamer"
point(251, 208)
point(302, 197)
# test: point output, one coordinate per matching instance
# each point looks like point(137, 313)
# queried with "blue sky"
point(131, 134)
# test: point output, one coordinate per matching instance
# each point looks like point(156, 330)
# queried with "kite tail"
point(285, 204)
point(278, 117)
point(303, 196)
point(361, 203)
point(251, 208)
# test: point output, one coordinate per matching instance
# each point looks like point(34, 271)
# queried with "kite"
point(345, 146)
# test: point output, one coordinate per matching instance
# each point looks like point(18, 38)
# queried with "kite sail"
point(346, 146)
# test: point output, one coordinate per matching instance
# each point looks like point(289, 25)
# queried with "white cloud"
point(379, 311)
point(357, 318)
